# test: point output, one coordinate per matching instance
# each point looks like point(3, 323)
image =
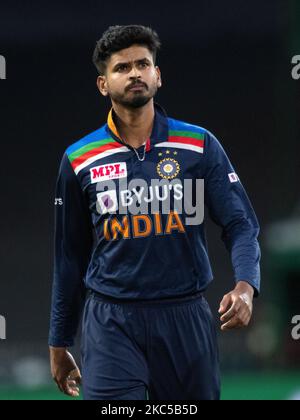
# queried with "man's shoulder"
point(194, 137)
point(179, 128)
point(183, 126)
point(90, 140)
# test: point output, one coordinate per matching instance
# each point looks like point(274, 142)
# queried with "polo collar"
point(160, 130)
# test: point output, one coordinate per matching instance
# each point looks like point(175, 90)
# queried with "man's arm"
point(230, 208)
point(73, 246)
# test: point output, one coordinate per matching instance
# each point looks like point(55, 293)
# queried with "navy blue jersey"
point(127, 224)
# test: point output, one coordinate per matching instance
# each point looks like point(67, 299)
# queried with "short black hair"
point(117, 38)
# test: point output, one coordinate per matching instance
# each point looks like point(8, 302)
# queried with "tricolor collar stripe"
point(159, 130)
point(93, 145)
point(103, 155)
point(95, 151)
point(181, 146)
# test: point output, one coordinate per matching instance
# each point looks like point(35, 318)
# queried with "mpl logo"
point(108, 172)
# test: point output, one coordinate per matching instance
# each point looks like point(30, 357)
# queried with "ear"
point(158, 73)
point(102, 85)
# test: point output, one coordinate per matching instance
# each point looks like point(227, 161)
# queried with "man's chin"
point(137, 102)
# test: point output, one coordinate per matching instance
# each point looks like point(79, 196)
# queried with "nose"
point(134, 73)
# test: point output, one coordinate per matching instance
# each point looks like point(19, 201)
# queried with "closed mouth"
point(136, 87)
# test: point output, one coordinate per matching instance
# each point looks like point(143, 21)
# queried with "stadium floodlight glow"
point(296, 329)
point(2, 67)
point(2, 328)
point(296, 68)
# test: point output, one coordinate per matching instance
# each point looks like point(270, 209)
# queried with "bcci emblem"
point(168, 168)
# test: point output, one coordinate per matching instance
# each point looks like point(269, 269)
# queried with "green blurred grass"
point(261, 386)
point(257, 386)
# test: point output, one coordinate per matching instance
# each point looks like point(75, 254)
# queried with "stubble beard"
point(133, 100)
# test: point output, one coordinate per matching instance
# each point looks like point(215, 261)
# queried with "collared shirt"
point(159, 130)
point(133, 229)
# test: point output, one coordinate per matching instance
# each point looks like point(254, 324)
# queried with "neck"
point(134, 125)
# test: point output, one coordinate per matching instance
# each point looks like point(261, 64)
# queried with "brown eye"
point(121, 68)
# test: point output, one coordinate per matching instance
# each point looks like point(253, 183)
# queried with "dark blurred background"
point(225, 66)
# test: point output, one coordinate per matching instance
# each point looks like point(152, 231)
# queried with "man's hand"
point(236, 307)
point(65, 371)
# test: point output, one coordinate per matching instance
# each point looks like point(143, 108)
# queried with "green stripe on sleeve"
point(88, 147)
point(191, 134)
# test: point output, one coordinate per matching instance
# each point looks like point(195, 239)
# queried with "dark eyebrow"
point(124, 64)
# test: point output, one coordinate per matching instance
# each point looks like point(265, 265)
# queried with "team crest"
point(168, 168)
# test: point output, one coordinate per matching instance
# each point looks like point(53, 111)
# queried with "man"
point(130, 242)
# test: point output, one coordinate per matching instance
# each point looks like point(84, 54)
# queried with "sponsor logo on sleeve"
point(233, 177)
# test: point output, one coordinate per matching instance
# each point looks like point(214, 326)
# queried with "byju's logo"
point(296, 329)
point(2, 328)
point(2, 67)
point(296, 68)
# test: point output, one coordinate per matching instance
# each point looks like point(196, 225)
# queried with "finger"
point(233, 311)
point(73, 387)
point(71, 391)
point(241, 320)
point(63, 388)
point(245, 314)
point(76, 376)
point(225, 304)
point(67, 387)
point(246, 318)
point(72, 383)
point(234, 323)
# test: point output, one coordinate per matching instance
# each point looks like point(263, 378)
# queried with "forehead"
point(131, 54)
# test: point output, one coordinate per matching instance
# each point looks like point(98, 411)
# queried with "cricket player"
point(130, 247)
